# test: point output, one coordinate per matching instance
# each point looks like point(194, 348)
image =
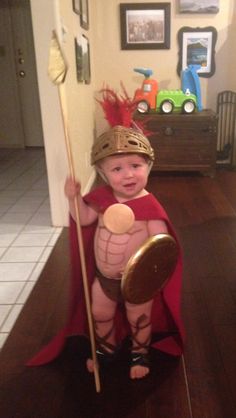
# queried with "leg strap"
point(139, 327)
point(102, 341)
point(104, 356)
point(139, 359)
point(139, 355)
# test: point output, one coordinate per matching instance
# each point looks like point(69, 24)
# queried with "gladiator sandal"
point(104, 356)
point(140, 358)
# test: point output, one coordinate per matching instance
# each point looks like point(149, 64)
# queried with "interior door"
point(19, 87)
point(11, 126)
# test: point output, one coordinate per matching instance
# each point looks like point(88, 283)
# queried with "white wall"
point(79, 97)
point(43, 17)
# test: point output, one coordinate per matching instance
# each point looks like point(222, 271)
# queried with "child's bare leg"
point(103, 310)
point(139, 317)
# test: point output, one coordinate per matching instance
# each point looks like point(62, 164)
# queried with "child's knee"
point(100, 314)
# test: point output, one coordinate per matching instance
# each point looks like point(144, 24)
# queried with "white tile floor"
point(26, 234)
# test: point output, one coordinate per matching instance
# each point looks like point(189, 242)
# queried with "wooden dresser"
point(182, 142)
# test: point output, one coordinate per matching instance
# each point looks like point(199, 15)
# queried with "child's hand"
point(71, 188)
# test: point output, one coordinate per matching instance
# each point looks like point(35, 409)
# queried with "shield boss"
point(148, 270)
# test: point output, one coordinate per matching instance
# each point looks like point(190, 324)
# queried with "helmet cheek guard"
point(121, 140)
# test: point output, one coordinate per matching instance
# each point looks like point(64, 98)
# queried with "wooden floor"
point(202, 384)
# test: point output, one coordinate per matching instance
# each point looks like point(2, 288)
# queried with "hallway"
point(26, 234)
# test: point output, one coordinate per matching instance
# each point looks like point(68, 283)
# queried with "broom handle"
point(81, 248)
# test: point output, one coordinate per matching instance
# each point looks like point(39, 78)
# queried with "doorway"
point(20, 115)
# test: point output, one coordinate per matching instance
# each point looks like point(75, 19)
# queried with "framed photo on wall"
point(76, 6)
point(145, 25)
point(199, 6)
point(197, 46)
point(79, 60)
point(86, 59)
point(82, 58)
point(84, 14)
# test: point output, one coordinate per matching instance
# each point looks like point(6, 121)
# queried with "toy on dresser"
point(186, 100)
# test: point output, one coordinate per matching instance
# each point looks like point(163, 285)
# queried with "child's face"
point(127, 174)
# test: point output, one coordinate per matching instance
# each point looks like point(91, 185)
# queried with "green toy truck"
point(186, 100)
point(168, 101)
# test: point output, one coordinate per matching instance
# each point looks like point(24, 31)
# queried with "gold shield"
point(149, 269)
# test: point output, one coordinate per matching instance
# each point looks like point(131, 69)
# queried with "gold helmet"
point(121, 140)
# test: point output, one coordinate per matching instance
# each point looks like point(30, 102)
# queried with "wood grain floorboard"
point(201, 384)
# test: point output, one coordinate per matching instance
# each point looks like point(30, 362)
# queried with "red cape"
point(166, 313)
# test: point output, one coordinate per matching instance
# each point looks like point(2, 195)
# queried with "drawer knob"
point(168, 131)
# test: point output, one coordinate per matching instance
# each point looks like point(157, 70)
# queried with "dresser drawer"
point(180, 154)
point(181, 131)
point(182, 142)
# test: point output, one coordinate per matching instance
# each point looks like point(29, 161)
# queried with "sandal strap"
point(105, 357)
point(140, 326)
point(102, 341)
point(144, 345)
point(139, 359)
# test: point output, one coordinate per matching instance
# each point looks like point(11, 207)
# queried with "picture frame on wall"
point(76, 6)
point(86, 59)
point(79, 60)
point(84, 14)
point(145, 25)
point(197, 46)
point(199, 6)
point(82, 58)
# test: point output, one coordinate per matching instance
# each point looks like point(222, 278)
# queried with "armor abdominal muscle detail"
point(109, 250)
point(113, 250)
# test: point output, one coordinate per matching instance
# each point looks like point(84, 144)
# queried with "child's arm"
point(86, 213)
point(157, 227)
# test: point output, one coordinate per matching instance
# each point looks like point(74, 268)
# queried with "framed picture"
point(86, 59)
point(76, 6)
point(79, 60)
point(145, 25)
point(197, 46)
point(82, 58)
point(84, 14)
point(199, 6)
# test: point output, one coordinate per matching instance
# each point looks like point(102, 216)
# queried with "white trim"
point(90, 182)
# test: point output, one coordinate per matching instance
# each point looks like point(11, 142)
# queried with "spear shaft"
point(57, 72)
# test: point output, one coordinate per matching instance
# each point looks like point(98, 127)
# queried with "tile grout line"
point(39, 174)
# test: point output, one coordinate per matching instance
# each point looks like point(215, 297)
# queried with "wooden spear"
point(57, 70)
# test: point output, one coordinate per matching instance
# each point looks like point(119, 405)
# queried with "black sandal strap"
point(102, 341)
point(140, 326)
point(105, 358)
point(139, 359)
point(106, 352)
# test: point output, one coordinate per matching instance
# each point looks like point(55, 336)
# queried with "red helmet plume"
point(118, 109)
